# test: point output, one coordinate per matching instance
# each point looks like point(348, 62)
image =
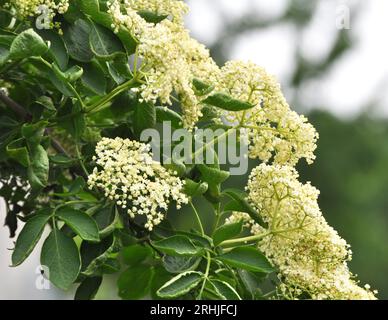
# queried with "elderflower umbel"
point(129, 176)
point(170, 57)
point(310, 255)
point(30, 8)
point(274, 130)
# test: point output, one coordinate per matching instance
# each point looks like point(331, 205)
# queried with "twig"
point(26, 116)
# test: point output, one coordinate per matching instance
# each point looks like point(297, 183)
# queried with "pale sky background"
point(353, 81)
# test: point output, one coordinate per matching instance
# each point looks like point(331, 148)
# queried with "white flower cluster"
point(30, 8)
point(129, 176)
point(170, 57)
point(310, 255)
point(273, 129)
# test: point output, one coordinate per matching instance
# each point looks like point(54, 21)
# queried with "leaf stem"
point(208, 257)
point(198, 218)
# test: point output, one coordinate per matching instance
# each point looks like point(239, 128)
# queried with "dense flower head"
point(310, 255)
point(30, 8)
point(170, 57)
point(274, 130)
point(128, 175)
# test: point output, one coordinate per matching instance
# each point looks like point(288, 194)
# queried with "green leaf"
point(106, 218)
point(135, 282)
point(74, 123)
point(247, 258)
point(212, 176)
point(180, 264)
point(94, 78)
point(226, 102)
point(226, 232)
point(144, 117)
point(60, 255)
point(224, 290)
point(180, 285)
point(119, 69)
point(57, 49)
point(241, 205)
point(71, 75)
point(165, 114)
point(201, 88)
point(33, 133)
point(27, 44)
point(177, 246)
point(80, 222)
point(39, 167)
point(135, 254)
point(28, 238)
point(193, 189)
point(18, 152)
point(76, 37)
point(251, 281)
point(104, 42)
point(88, 288)
point(152, 17)
point(95, 255)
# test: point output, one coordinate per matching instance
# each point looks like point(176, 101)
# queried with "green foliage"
point(67, 91)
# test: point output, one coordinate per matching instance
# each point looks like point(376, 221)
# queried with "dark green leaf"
point(247, 258)
point(180, 285)
point(151, 17)
point(29, 237)
point(104, 42)
point(240, 204)
point(144, 117)
point(80, 222)
point(88, 288)
point(57, 48)
point(18, 152)
point(226, 232)
point(180, 264)
point(177, 246)
point(76, 37)
point(60, 255)
point(135, 254)
point(212, 176)
point(135, 282)
point(93, 78)
point(224, 290)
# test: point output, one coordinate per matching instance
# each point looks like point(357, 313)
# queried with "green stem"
point(206, 275)
point(81, 162)
point(116, 91)
point(198, 218)
point(245, 239)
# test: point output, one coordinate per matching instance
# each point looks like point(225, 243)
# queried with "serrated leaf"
point(212, 176)
point(224, 290)
point(80, 223)
point(177, 246)
point(227, 231)
point(60, 255)
point(180, 285)
point(247, 258)
point(180, 264)
point(29, 237)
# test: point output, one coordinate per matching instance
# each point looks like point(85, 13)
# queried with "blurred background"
point(330, 57)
